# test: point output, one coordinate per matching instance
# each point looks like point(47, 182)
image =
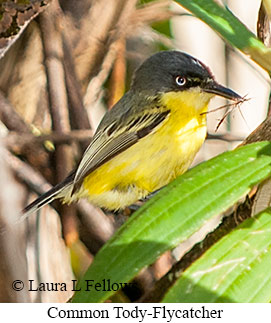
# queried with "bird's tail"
point(57, 191)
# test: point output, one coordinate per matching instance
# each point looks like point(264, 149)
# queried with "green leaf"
point(230, 28)
point(175, 213)
point(235, 269)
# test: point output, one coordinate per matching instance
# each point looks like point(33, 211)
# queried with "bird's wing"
point(114, 139)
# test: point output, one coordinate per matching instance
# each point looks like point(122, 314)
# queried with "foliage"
point(236, 269)
point(230, 28)
point(50, 81)
point(233, 269)
point(176, 213)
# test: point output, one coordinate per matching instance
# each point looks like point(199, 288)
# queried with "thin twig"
point(35, 155)
point(10, 117)
point(18, 142)
point(262, 197)
point(52, 44)
point(95, 85)
point(264, 34)
point(93, 37)
point(99, 226)
point(97, 223)
point(225, 137)
point(53, 51)
point(78, 113)
point(118, 75)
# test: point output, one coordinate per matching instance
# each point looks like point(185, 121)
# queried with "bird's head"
point(175, 71)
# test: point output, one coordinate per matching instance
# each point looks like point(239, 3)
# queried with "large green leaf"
point(175, 213)
point(236, 269)
point(230, 28)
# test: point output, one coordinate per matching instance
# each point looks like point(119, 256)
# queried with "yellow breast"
point(156, 159)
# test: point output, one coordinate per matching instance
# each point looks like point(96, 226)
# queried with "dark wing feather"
point(104, 147)
point(49, 196)
point(111, 139)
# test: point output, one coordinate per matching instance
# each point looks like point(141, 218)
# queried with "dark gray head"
point(168, 71)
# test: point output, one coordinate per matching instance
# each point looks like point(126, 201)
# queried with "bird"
point(148, 138)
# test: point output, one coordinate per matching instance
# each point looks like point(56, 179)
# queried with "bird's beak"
point(217, 89)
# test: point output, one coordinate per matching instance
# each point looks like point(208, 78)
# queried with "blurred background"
point(72, 61)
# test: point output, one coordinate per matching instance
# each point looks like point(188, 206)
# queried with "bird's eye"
point(180, 80)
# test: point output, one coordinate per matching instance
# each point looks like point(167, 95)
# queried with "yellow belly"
point(149, 164)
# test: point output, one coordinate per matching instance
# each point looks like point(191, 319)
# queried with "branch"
point(112, 45)
point(78, 112)
point(36, 156)
point(18, 142)
point(262, 198)
point(225, 137)
point(14, 17)
point(10, 117)
point(98, 225)
point(53, 51)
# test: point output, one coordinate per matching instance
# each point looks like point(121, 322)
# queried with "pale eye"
point(180, 80)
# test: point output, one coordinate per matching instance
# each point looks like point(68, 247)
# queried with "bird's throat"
point(190, 103)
